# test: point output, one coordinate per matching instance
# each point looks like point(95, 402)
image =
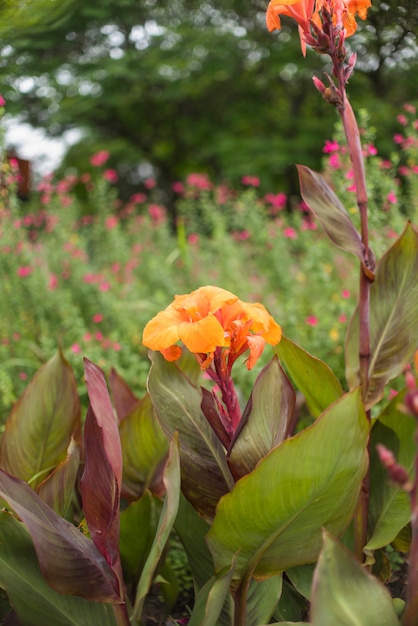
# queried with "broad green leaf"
point(211, 599)
point(345, 594)
point(144, 448)
point(275, 524)
point(177, 404)
point(34, 601)
point(329, 211)
point(191, 529)
point(58, 489)
point(69, 560)
point(393, 318)
point(311, 376)
point(165, 525)
point(138, 525)
point(40, 427)
point(301, 578)
point(262, 599)
point(291, 606)
point(266, 419)
point(390, 507)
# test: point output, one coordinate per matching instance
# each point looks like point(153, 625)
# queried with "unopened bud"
point(397, 473)
point(319, 84)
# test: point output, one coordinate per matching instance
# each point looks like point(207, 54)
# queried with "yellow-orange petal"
point(203, 300)
point(202, 336)
point(263, 323)
point(163, 330)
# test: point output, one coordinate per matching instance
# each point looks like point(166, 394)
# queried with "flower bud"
point(397, 473)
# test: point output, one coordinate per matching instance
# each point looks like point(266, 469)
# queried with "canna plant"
point(280, 523)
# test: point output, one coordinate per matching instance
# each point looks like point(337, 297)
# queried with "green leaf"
point(266, 420)
point(275, 524)
point(301, 578)
point(211, 599)
point(138, 525)
point(393, 318)
point(329, 211)
point(34, 601)
point(144, 448)
point(192, 529)
point(345, 594)
point(69, 560)
point(262, 599)
point(311, 376)
point(390, 507)
point(165, 525)
point(177, 404)
point(291, 606)
point(47, 412)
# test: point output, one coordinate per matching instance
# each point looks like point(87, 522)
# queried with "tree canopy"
point(183, 85)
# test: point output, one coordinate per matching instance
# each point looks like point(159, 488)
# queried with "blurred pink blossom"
point(97, 318)
point(311, 320)
point(75, 348)
point(24, 270)
point(345, 293)
point(199, 181)
point(277, 201)
point(392, 393)
point(330, 146)
point(334, 161)
point(99, 158)
point(409, 108)
point(104, 286)
point(53, 282)
point(290, 233)
point(111, 222)
point(111, 176)
point(193, 238)
point(391, 197)
point(138, 198)
point(402, 120)
point(177, 187)
point(342, 318)
point(397, 138)
point(156, 213)
point(241, 235)
point(149, 183)
point(250, 181)
point(23, 376)
point(2, 101)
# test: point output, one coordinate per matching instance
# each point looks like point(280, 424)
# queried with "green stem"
point(410, 616)
point(240, 602)
point(121, 614)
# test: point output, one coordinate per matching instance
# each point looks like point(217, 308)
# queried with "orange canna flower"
point(211, 318)
point(302, 11)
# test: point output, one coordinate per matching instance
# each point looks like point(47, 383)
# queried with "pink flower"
point(250, 181)
point(242, 235)
point(391, 197)
point(397, 138)
point(311, 320)
point(334, 161)
point(409, 108)
point(111, 222)
point(343, 318)
point(402, 120)
point(392, 393)
point(99, 158)
point(199, 181)
point(97, 318)
point(87, 337)
point(138, 198)
point(157, 213)
point(330, 146)
point(193, 239)
point(370, 150)
point(23, 376)
point(278, 201)
point(149, 183)
point(105, 286)
point(178, 187)
point(290, 233)
point(53, 282)
point(111, 176)
point(345, 293)
point(116, 346)
point(98, 336)
point(75, 348)
point(24, 270)
point(2, 101)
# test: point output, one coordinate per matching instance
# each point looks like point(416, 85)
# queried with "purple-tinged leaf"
point(266, 420)
point(57, 490)
point(47, 413)
point(331, 214)
point(144, 450)
point(393, 318)
point(103, 412)
point(69, 561)
point(124, 400)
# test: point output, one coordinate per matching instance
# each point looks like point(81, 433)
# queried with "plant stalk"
point(240, 602)
point(410, 616)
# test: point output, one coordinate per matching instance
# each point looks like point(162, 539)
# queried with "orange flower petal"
point(203, 336)
point(162, 331)
point(256, 344)
point(172, 353)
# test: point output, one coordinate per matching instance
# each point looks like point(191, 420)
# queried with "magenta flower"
point(24, 270)
point(2, 101)
point(250, 181)
point(391, 197)
point(311, 320)
point(111, 176)
point(99, 158)
point(290, 233)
